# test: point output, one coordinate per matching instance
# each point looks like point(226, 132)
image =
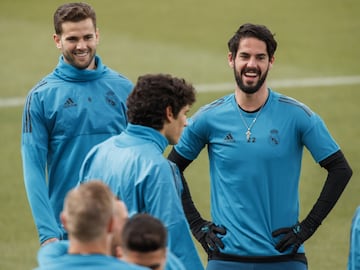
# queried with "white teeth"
point(81, 54)
point(249, 74)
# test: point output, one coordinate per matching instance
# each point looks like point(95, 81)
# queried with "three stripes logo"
point(229, 138)
point(69, 103)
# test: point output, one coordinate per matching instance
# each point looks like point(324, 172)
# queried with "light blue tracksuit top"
point(133, 166)
point(65, 115)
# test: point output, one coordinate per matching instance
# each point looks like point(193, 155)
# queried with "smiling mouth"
point(251, 73)
point(81, 54)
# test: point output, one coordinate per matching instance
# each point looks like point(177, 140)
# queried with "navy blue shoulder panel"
point(294, 102)
point(27, 127)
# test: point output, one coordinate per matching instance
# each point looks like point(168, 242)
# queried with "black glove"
point(294, 236)
point(206, 233)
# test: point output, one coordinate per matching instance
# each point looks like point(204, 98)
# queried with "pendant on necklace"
point(248, 134)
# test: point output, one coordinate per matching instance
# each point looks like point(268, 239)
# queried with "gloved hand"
point(294, 236)
point(206, 233)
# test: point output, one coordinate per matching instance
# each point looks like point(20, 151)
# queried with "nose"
point(81, 44)
point(252, 62)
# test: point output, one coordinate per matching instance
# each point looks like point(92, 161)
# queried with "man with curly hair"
point(133, 166)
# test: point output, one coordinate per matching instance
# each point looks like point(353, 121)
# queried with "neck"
point(251, 102)
point(98, 246)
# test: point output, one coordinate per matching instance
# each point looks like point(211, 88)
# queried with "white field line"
point(288, 83)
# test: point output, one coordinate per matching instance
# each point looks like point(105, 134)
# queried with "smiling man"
point(78, 105)
point(255, 139)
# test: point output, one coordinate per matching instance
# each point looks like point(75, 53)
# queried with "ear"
point(111, 225)
point(57, 39)
point(230, 60)
point(63, 220)
point(118, 252)
point(164, 256)
point(97, 36)
point(271, 62)
point(169, 114)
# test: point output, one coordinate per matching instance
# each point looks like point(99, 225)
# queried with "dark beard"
point(250, 89)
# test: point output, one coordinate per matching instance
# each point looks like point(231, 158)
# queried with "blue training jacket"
point(354, 250)
point(50, 253)
point(65, 115)
point(133, 166)
point(55, 256)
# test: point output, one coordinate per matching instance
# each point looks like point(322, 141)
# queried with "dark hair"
point(73, 12)
point(152, 94)
point(144, 233)
point(260, 32)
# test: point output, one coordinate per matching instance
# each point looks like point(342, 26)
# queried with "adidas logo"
point(229, 138)
point(69, 103)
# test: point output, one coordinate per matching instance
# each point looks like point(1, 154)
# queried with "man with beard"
point(80, 104)
point(255, 139)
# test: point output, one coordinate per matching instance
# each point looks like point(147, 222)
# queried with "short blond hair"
point(88, 209)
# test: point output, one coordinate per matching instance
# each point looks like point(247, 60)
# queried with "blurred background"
point(317, 62)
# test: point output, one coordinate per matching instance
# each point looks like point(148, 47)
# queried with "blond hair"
point(88, 209)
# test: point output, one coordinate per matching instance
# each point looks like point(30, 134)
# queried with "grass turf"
point(188, 39)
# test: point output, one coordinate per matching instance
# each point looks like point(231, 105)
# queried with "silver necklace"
point(249, 127)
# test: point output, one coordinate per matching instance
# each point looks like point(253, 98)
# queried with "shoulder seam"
point(294, 102)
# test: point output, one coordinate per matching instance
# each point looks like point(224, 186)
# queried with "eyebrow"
point(247, 54)
point(77, 37)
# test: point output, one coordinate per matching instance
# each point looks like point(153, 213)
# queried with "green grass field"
point(188, 38)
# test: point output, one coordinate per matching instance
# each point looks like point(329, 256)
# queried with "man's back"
point(133, 166)
point(90, 261)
